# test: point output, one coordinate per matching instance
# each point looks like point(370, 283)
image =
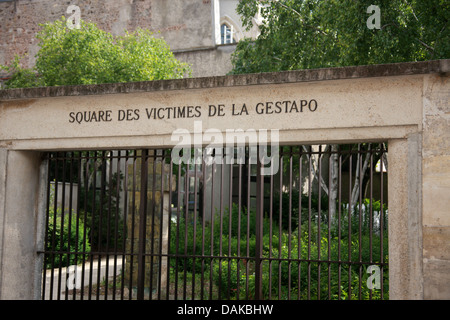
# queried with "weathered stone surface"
point(156, 225)
point(436, 243)
point(436, 185)
point(436, 189)
point(392, 103)
point(436, 280)
point(406, 104)
point(356, 72)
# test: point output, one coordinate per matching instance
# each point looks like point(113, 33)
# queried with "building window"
point(226, 34)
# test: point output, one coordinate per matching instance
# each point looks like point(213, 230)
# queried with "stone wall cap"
point(295, 76)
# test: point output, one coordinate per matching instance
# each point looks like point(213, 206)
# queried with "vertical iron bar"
point(339, 220)
point(349, 238)
point(62, 286)
point(177, 243)
point(85, 218)
point(169, 231)
point(271, 229)
point(186, 223)
point(361, 178)
point(83, 250)
point(221, 222)
point(330, 176)
point(195, 213)
point(259, 234)
point(108, 222)
point(280, 225)
point(75, 250)
point(290, 223)
point(230, 218)
point(239, 227)
point(299, 227)
point(142, 225)
point(47, 220)
point(133, 220)
point(371, 215)
point(94, 184)
point(100, 222)
point(203, 210)
point(55, 226)
point(161, 223)
point(152, 230)
point(53, 249)
point(114, 189)
point(247, 263)
point(381, 224)
point(319, 239)
point(125, 222)
point(309, 220)
point(211, 261)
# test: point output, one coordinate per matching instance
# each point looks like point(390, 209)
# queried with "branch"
point(385, 160)
point(430, 48)
point(321, 181)
point(301, 19)
point(412, 10)
point(437, 38)
point(359, 176)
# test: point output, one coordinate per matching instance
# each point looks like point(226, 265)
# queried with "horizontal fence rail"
point(134, 224)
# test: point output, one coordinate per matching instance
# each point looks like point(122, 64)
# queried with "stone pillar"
point(405, 218)
point(156, 229)
point(436, 186)
point(22, 212)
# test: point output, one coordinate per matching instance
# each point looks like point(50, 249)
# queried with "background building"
point(202, 33)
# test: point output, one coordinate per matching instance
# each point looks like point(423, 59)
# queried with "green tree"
point(20, 77)
point(303, 34)
point(89, 55)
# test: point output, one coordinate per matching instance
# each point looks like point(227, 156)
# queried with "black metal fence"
point(132, 224)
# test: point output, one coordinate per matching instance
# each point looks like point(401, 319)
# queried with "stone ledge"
point(352, 72)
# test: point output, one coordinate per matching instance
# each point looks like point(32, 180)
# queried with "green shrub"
point(103, 215)
point(220, 231)
point(306, 276)
point(292, 201)
point(65, 234)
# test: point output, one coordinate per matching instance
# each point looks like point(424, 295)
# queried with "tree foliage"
point(89, 55)
point(303, 34)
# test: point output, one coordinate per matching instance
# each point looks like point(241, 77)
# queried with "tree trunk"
point(333, 185)
point(359, 176)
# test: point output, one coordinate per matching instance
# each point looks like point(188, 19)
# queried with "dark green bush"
point(224, 239)
point(292, 201)
point(305, 276)
point(103, 216)
point(67, 234)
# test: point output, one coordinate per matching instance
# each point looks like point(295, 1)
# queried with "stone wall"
point(406, 104)
point(436, 186)
point(213, 61)
point(156, 225)
point(21, 19)
point(186, 25)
